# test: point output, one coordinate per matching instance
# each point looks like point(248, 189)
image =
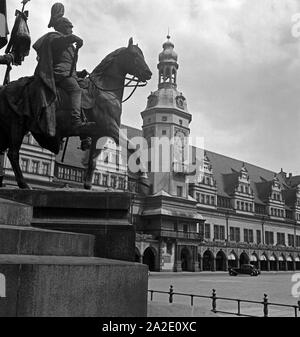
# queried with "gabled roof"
point(224, 168)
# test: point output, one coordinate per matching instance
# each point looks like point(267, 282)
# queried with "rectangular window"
point(235, 234)
point(122, 182)
point(298, 241)
point(35, 167)
point(281, 239)
point(25, 165)
point(79, 176)
point(45, 169)
point(179, 191)
point(246, 236)
point(113, 181)
point(97, 179)
point(73, 175)
point(164, 132)
point(202, 198)
point(164, 118)
point(219, 232)
point(269, 238)
point(290, 240)
point(201, 230)
point(207, 231)
point(251, 236)
point(258, 237)
point(104, 179)
point(60, 172)
point(207, 200)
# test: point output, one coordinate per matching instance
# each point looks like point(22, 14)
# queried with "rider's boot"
point(78, 126)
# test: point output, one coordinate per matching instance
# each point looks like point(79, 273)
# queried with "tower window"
point(180, 121)
point(179, 191)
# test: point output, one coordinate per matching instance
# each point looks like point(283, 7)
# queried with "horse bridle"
point(126, 85)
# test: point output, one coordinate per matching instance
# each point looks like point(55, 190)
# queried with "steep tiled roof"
point(225, 169)
point(224, 166)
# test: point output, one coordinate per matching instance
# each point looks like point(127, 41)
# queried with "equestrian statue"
point(59, 102)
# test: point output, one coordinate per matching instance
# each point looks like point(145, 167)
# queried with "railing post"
point(192, 300)
point(171, 294)
point(265, 302)
point(214, 301)
point(151, 293)
point(239, 307)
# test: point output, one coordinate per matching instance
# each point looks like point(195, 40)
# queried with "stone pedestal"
point(54, 273)
point(102, 214)
point(51, 286)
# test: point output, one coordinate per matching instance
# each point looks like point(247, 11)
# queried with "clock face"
point(179, 140)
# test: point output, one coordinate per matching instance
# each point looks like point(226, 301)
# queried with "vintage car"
point(248, 269)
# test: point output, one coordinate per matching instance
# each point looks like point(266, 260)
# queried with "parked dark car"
point(248, 269)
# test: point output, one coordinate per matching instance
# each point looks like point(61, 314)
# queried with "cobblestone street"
point(277, 286)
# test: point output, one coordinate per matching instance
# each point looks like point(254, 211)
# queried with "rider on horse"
point(56, 50)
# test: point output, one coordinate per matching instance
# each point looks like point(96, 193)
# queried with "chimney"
point(290, 175)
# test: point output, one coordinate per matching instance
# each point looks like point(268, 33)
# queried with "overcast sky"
point(239, 65)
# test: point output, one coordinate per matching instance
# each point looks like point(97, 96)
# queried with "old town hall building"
point(230, 213)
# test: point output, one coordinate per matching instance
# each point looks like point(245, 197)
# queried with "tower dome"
point(168, 54)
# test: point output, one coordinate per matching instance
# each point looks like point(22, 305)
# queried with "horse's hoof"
point(24, 186)
point(87, 186)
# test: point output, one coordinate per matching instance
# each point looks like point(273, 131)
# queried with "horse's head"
point(134, 62)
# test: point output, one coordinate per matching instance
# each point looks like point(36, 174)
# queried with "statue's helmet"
point(57, 12)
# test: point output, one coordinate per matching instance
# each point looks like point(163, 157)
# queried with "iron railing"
point(265, 302)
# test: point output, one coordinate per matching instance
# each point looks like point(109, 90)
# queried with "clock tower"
point(166, 127)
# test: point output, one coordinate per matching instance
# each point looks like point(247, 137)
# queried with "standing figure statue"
point(57, 59)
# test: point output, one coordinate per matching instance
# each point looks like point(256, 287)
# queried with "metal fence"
point(214, 298)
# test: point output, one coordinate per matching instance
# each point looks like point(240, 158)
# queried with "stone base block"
point(45, 286)
point(14, 213)
point(33, 241)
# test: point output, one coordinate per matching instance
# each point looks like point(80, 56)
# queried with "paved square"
point(277, 286)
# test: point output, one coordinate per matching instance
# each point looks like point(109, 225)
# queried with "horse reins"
point(126, 85)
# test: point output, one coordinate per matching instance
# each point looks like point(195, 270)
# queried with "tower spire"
point(167, 66)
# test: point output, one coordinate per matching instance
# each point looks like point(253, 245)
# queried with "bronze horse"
point(105, 86)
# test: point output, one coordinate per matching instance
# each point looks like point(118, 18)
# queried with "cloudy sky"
point(239, 65)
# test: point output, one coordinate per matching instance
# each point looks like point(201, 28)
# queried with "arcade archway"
point(149, 258)
point(221, 261)
point(254, 260)
point(244, 258)
point(297, 262)
point(264, 262)
point(186, 260)
point(208, 261)
point(273, 263)
point(232, 260)
point(282, 262)
point(290, 263)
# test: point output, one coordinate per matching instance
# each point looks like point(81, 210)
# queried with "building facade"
point(229, 214)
